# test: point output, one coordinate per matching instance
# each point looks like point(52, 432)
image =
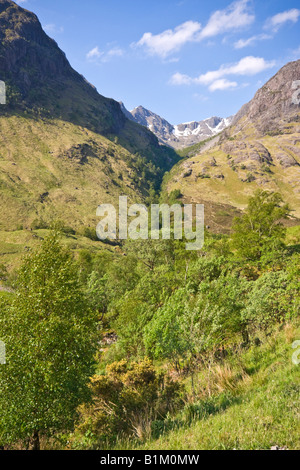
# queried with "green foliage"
point(270, 301)
point(166, 336)
point(260, 230)
point(151, 253)
point(250, 401)
point(190, 325)
point(96, 293)
point(206, 269)
point(127, 399)
point(50, 338)
point(174, 196)
point(89, 232)
point(186, 310)
point(3, 272)
point(39, 224)
point(193, 149)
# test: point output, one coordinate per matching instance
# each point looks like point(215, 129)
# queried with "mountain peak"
point(181, 135)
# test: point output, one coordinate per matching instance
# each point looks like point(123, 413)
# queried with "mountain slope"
point(181, 135)
point(261, 149)
point(62, 144)
point(40, 79)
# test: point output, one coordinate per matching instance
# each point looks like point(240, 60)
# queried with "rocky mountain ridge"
point(180, 135)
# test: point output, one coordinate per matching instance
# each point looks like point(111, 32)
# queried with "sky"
point(185, 60)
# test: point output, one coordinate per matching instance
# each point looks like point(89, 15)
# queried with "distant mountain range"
point(180, 135)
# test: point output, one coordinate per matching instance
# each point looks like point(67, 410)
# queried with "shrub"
point(269, 301)
point(89, 232)
point(127, 399)
point(39, 224)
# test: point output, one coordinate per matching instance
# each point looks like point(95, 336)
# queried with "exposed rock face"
point(159, 126)
point(286, 160)
point(263, 132)
point(275, 104)
point(247, 151)
point(25, 45)
point(126, 112)
point(39, 76)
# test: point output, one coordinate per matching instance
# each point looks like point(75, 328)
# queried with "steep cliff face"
point(39, 76)
point(24, 45)
point(275, 105)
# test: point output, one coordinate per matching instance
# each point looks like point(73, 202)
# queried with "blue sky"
point(182, 59)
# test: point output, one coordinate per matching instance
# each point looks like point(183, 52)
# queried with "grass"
point(293, 235)
point(252, 403)
point(14, 245)
point(193, 149)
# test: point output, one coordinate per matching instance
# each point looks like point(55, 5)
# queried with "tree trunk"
point(35, 441)
point(245, 335)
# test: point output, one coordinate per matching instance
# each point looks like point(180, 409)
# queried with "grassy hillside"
point(52, 169)
point(249, 403)
point(232, 171)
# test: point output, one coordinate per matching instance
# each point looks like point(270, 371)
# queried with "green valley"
point(138, 343)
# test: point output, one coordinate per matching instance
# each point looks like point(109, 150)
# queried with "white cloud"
point(273, 23)
point(222, 84)
point(181, 79)
point(234, 17)
point(170, 40)
point(95, 54)
point(166, 43)
point(276, 21)
point(241, 43)
point(248, 66)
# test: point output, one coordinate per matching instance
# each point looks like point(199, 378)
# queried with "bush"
point(39, 224)
point(89, 232)
point(127, 399)
point(269, 301)
point(174, 196)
